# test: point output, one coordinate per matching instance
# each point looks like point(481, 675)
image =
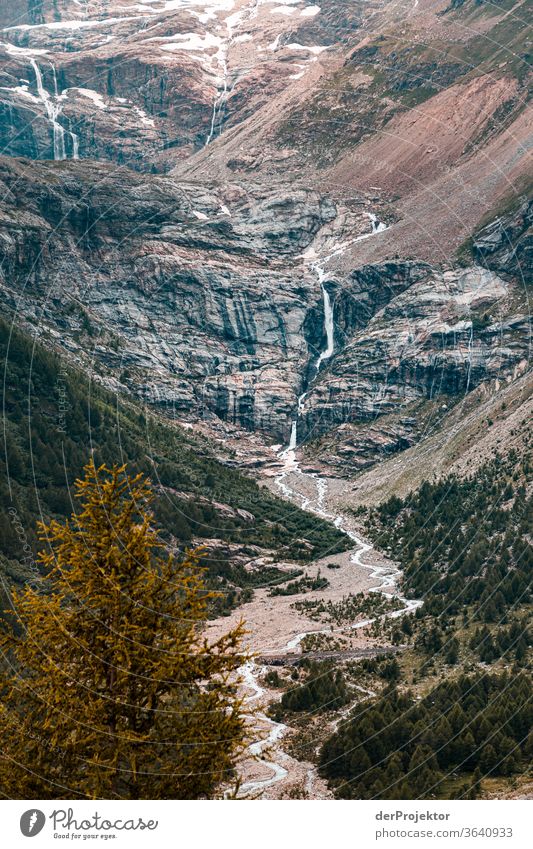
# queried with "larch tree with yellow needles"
point(109, 689)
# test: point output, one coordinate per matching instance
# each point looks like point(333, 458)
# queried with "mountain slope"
point(55, 418)
point(148, 84)
point(293, 239)
point(211, 302)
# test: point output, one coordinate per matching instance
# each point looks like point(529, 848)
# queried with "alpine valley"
point(278, 256)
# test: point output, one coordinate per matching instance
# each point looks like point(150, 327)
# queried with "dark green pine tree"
point(488, 759)
point(422, 773)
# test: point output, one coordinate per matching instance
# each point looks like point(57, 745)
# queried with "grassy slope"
point(469, 434)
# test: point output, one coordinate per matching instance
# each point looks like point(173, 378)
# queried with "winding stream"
point(388, 576)
point(277, 729)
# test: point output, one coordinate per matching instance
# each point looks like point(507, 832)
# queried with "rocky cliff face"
point(148, 84)
point(211, 302)
point(113, 92)
point(183, 295)
point(506, 243)
point(292, 259)
point(424, 105)
point(439, 338)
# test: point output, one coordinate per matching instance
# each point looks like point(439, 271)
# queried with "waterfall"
point(294, 435)
point(53, 114)
point(52, 107)
point(469, 356)
point(233, 23)
point(377, 225)
point(221, 96)
point(75, 145)
point(328, 321)
point(329, 329)
point(326, 354)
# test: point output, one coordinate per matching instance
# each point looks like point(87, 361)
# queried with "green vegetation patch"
point(398, 747)
point(464, 541)
point(348, 609)
point(323, 688)
point(304, 585)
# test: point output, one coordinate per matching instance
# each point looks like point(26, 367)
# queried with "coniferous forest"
point(440, 746)
point(465, 542)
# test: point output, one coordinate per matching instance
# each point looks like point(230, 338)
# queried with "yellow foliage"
point(109, 689)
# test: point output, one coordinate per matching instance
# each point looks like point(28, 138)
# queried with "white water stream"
point(328, 321)
point(53, 105)
point(388, 576)
point(277, 729)
point(233, 23)
point(222, 90)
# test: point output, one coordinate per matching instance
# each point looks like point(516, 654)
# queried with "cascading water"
point(328, 321)
point(294, 436)
point(53, 107)
point(377, 225)
point(222, 94)
point(75, 145)
point(52, 110)
point(233, 23)
point(74, 139)
point(326, 354)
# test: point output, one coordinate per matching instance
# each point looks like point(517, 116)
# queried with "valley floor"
point(275, 629)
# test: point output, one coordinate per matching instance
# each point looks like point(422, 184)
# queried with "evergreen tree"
point(423, 772)
point(468, 752)
point(452, 652)
point(488, 759)
point(393, 772)
point(111, 691)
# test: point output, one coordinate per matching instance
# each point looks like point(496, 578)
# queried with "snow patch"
point(314, 49)
point(193, 41)
point(96, 98)
point(73, 25)
point(23, 91)
point(283, 10)
point(23, 51)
